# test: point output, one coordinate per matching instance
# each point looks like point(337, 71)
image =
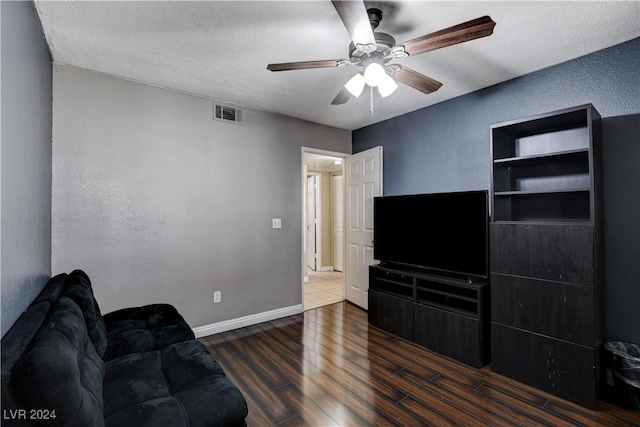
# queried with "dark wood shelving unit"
point(444, 313)
point(542, 167)
point(545, 252)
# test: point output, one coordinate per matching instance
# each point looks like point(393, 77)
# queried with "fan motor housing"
point(382, 54)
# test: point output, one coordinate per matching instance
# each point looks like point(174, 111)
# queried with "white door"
point(338, 221)
point(311, 221)
point(363, 183)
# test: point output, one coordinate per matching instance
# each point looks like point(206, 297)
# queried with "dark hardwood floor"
point(328, 367)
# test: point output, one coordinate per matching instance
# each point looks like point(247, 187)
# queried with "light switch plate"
point(276, 223)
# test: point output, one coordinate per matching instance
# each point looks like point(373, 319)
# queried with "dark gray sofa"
point(64, 364)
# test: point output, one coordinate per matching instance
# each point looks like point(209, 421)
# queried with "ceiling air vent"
point(226, 113)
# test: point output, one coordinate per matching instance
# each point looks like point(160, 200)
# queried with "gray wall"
point(445, 147)
point(25, 231)
point(157, 202)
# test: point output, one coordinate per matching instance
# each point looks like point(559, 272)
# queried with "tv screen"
point(443, 231)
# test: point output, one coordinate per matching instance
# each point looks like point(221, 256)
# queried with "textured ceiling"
point(220, 49)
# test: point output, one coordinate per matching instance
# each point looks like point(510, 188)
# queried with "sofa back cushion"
point(61, 370)
point(17, 340)
point(78, 288)
point(52, 290)
point(14, 343)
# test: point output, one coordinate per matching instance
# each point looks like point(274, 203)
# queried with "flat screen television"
point(445, 232)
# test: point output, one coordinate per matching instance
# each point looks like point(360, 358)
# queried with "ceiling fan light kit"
point(355, 85)
point(387, 86)
point(373, 50)
point(374, 74)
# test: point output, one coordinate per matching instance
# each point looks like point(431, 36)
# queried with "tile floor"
point(323, 288)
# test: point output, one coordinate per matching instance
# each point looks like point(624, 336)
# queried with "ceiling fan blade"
point(413, 78)
point(342, 97)
point(356, 19)
point(470, 30)
point(304, 65)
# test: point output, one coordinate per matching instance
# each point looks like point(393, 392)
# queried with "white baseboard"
point(326, 268)
point(253, 319)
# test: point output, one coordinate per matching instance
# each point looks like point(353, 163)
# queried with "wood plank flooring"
point(328, 367)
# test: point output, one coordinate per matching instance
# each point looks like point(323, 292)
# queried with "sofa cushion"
point(179, 385)
point(132, 330)
point(78, 288)
point(61, 370)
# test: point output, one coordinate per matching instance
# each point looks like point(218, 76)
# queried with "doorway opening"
point(323, 228)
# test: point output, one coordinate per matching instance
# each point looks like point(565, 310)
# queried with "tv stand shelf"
point(445, 313)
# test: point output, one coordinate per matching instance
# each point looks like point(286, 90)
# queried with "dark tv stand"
point(446, 313)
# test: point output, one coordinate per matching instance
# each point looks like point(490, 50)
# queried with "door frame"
point(334, 216)
point(318, 223)
point(303, 174)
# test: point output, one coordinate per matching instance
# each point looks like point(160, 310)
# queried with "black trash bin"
point(625, 363)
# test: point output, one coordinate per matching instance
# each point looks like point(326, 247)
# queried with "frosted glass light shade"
point(374, 74)
point(355, 85)
point(387, 86)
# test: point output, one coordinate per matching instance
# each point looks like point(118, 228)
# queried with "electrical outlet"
point(217, 297)
point(276, 223)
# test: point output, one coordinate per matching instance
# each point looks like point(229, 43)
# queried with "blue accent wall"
point(25, 228)
point(445, 147)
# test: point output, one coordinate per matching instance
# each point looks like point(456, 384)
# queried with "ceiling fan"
point(373, 50)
